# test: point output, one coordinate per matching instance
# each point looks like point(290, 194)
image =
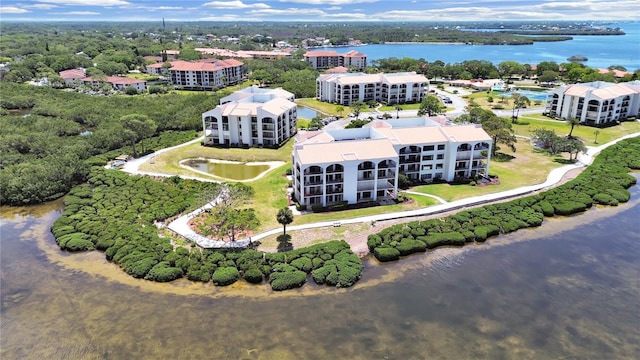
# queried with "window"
point(427, 167)
point(441, 147)
point(439, 166)
point(428, 148)
point(427, 158)
point(440, 156)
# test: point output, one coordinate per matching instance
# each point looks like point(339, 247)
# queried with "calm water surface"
point(566, 290)
point(228, 170)
point(602, 51)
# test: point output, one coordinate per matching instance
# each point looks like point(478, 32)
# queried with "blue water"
point(306, 113)
point(531, 95)
point(602, 51)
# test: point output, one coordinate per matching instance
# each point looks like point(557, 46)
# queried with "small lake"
point(227, 169)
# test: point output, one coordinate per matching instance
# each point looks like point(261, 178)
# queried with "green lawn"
point(323, 107)
point(586, 133)
point(527, 167)
point(391, 108)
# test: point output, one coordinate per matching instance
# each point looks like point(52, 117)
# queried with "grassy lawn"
point(392, 108)
point(323, 107)
point(527, 167)
point(583, 132)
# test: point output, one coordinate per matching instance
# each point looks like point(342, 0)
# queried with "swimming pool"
point(531, 95)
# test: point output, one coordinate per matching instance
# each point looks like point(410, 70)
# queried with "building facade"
point(206, 74)
point(391, 88)
point(596, 103)
point(362, 165)
point(252, 117)
point(324, 59)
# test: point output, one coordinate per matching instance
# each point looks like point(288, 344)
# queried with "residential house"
point(362, 165)
point(252, 117)
point(72, 77)
point(596, 103)
point(390, 88)
point(118, 82)
point(325, 59)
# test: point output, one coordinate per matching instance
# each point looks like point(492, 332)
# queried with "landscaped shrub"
point(605, 199)
point(622, 195)
point(77, 244)
point(253, 275)
point(303, 264)
point(384, 254)
point(373, 241)
point(225, 276)
point(163, 272)
point(410, 246)
point(439, 239)
point(547, 208)
point(569, 207)
point(142, 267)
point(285, 277)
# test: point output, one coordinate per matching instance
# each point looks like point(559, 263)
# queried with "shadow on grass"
point(284, 243)
point(564, 161)
point(502, 157)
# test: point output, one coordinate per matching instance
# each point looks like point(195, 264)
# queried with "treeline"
point(295, 76)
point(115, 213)
point(605, 182)
point(544, 72)
point(49, 134)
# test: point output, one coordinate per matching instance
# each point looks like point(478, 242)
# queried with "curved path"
point(181, 226)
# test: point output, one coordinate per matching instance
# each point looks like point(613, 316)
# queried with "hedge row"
point(604, 182)
point(115, 213)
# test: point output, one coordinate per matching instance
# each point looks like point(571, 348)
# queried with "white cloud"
point(40, 6)
point(78, 13)
point(87, 2)
point(289, 12)
point(169, 8)
point(12, 10)
point(334, 8)
point(329, 2)
point(237, 4)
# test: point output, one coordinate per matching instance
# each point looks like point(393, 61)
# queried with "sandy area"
point(356, 234)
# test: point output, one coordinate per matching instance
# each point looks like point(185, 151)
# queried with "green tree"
point(138, 127)
point(430, 105)
point(228, 215)
point(501, 132)
point(596, 133)
point(357, 106)
point(284, 217)
point(548, 76)
point(340, 110)
point(519, 102)
point(573, 122)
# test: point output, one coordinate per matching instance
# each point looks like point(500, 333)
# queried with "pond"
point(306, 113)
point(228, 169)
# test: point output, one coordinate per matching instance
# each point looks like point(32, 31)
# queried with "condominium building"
point(325, 59)
point(390, 88)
point(362, 165)
point(206, 74)
point(596, 103)
point(252, 117)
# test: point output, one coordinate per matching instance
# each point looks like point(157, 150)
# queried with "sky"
point(317, 10)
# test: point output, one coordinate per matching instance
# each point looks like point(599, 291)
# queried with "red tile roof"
point(73, 74)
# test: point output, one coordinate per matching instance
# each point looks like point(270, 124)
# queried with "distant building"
point(72, 76)
point(204, 74)
point(325, 59)
point(119, 82)
point(390, 88)
point(245, 54)
point(169, 54)
point(252, 117)
point(596, 103)
point(362, 165)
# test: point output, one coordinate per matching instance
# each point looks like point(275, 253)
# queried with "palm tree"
point(284, 217)
point(573, 122)
point(340, 110)
point(398, 108)
point(596, 133)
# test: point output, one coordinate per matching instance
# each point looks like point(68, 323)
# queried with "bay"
point(566, 290)
point(602, 51)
